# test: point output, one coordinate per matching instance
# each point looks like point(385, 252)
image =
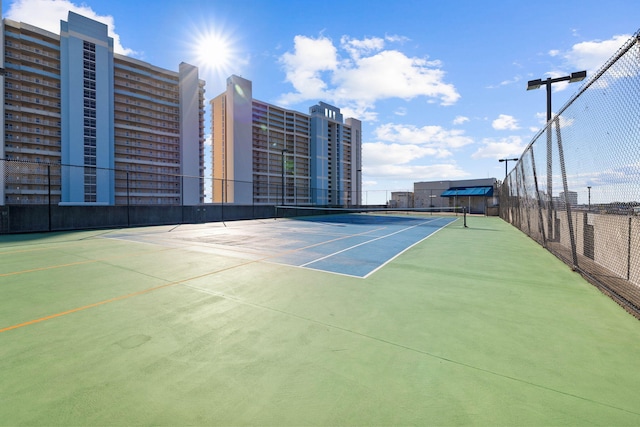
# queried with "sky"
point(439, 85)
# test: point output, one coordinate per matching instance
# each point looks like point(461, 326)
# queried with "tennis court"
point(232, 324)
point(350, 244)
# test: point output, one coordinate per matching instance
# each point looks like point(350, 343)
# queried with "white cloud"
point(460, 120)
point(364, 74)
point(514, 80)
point(505, 122)
point(396, 38)
point(415, 173)
point(304, 67)
point(589, 56)
point(499, 148)
point(592, 55)
point(434, 136)
point(47, 14)
point(400, 147)
point(208, 140)
point(379, 153)
point(357, 48)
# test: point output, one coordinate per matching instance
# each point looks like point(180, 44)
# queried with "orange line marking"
point(155, 288)
point(88, 261)
point(75, 310)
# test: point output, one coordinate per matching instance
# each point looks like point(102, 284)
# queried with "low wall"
point(39, 218)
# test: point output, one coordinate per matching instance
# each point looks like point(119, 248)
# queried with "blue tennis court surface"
point(354, 245)
point(357, 245)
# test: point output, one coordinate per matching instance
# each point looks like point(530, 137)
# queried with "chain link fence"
point(41, 196)
point(576, 188)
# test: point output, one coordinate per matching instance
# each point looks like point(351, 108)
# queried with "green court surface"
point(472, 326)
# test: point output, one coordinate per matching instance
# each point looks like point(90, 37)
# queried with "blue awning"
point(468, 191)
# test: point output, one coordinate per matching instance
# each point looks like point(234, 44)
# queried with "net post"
point(464, 216)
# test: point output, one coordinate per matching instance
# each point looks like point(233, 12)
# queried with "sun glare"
point(213, 51)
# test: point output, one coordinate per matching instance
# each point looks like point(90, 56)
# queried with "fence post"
point(629, 252)
point(539, 199)
point(565, 186)
point(49, 194)
point(526, 196)
point(128, 202)
point(181, 199)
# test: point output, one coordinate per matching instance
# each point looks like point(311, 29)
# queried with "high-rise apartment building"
point(84, 125)
point(271, 155)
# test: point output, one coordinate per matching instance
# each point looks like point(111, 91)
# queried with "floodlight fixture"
point(534, 84)
point(506, 163)
point(578, 76)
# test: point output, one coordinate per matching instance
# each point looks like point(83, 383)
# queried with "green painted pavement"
point(476, 326)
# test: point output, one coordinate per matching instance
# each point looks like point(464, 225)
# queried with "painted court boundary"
point(384, 262)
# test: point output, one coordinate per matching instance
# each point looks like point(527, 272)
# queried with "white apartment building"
point(84, 125)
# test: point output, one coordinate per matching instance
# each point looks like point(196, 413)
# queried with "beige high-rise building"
point(267, 154)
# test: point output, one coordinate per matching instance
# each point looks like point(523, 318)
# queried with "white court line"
point(405, 249)
point(369, 241)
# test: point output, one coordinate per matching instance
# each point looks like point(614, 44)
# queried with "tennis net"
point(350, 214)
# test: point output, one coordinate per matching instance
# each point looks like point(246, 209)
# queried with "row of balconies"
point(14, 151)
point(147, 161)
point(32, 179)
point(24, 46)
point(25, 200)
point(166, 178)
point(137, 120)
point(128, 102)
point(121, 199)
point(141, 92)
point(32, 90)
point(150, 84)
point(156, 84)
point(31, 109)
point(27, 99)
point(149, 155)
point(145, 135)
point(11, 57)
point(148, 185)
point(146, 112)
point(31, 130)
point(173, 144)
point(150, 90)
point(35, 80)
point(31, 120)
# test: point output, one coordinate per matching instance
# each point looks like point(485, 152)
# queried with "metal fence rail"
point(587, 212)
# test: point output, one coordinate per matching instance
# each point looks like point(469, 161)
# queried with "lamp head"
point(534, 84)
point(577, 76)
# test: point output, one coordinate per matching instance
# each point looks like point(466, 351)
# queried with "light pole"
point(359, 187)
point(282, 154)
point(535, 84)
point(506, 162)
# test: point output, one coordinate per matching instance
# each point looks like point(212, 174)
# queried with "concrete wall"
point(605, 239)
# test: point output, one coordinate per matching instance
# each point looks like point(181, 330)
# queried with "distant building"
point(401, 199)
point(108, 128)
point(571, 196)
point(477, 195)
point(267, 154)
